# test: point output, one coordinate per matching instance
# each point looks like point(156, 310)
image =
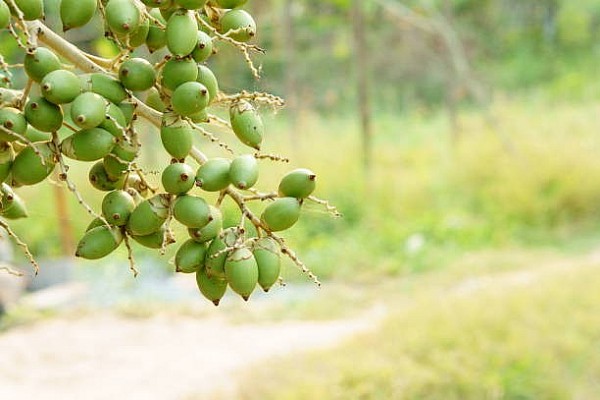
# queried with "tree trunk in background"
point(362, 78)
point(64, 224)
point(453, 84)
point(290, 74)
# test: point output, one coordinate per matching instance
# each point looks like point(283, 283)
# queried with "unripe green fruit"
point(106, 86)
point(210, 230)
point(243, 172)
point(282, 214)
point(231, 3)
point(153, 100)
point(200, 117)
point(239, 24)
point(29, 169)
point(88, 144)
point(176, 72)
point(212, 288)
point(100, 180)
point(149, 216)
point(137, 74)
point(213, 175)
point(115, 168)
point(4, 15)
point(117, 206)
point(126, 151)
point(189, 98)
point(153, 240)
point(167, 11)
point(177, 138)
point(299, 183)
point(11, 205)
point(157, 36)
point(76, 13)
point(13, 120)
point(268, 258)
point(88, 110)
point(191, 4)
point(178, 178)
point(241, 272)
point(122, 16)
point(31, 9)
point(156, 3)
point(247, 124)
point(182, 33)
point(43, 115)
point(204, 47)
point(138, 38)
point(40, 62)
point(190, 257)
point(192, 211)
point(128, 110)
point(99, 242)
point(215, 266)
point(208, 79)
point(7, 156)
point(114, 121)
point(60, 86)
point(35, 135)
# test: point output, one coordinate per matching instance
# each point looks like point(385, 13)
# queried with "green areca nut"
point(7, 157)
point(88, 144)
point(190, 257)
point(122, 16)
point(213, 175)
point(99, 242)
point(137, 74)
point(191, 211)
point(100, 179)
point(43, 115)
point(149, 216)
point(211, 287)
point(189, 98)
point(299, 183)
point(4, 15)
point(282, 214)
point(177, 138)
point(238, 25)
point(204, 47)
point(178, 178)
point(231, 3)
point(40, 62)
point(76, 13)
point(157, 36)
point(30, 168)
point(182, 33)
point(31, 9)
point(243, 172)
point(241, 272)
point(117, 206)
point(178, 71)
point(247, 124)
point(60, 86)
point(13, 120)
point(210, 230)
point(88, 110)
point(208, 79)
point(268, 258)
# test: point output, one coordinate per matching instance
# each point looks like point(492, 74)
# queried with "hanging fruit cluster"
point(99, 101)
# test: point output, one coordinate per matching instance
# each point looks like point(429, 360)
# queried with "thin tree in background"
point(289, 56)
point(362, 78)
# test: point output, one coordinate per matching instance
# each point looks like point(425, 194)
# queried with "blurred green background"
point(458, 138)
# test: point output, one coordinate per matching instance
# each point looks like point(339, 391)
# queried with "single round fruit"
point(106, 86)
point(204, 47)
point(149, 216)
point(88, 144)
point(268, 258)
point(43, 115)
point(238, 25)
point(154, 240)
point(154, 100)
point(7, 157)
point(137, 74)
point(178, 71)
point(99, 242)
point(178, 178)
point(114, 167)
point(189, 98)
point(11, 205)
point(40, 62)
point(231, 3)
point(114, 121)
point(60, 86)
point(137, 38)
point(247, 124)
point(13, 120)
point(30, 168)
point(88, 110)
point(210, 230)
point(177, 138)
point(122, 16)
point(299, 183)
point(241, 272)
point(243, 172)
point(191, 211)
point(157, 36)
point(282, 214)
point(213, 175)
point(117, 206)
point(212, 288)
point(100, 179)
point(190, 257)
point(215, 255)
point(182, 33)
point(76, 13)
point(31, 9)
point(191, 4)
point(4, 15)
